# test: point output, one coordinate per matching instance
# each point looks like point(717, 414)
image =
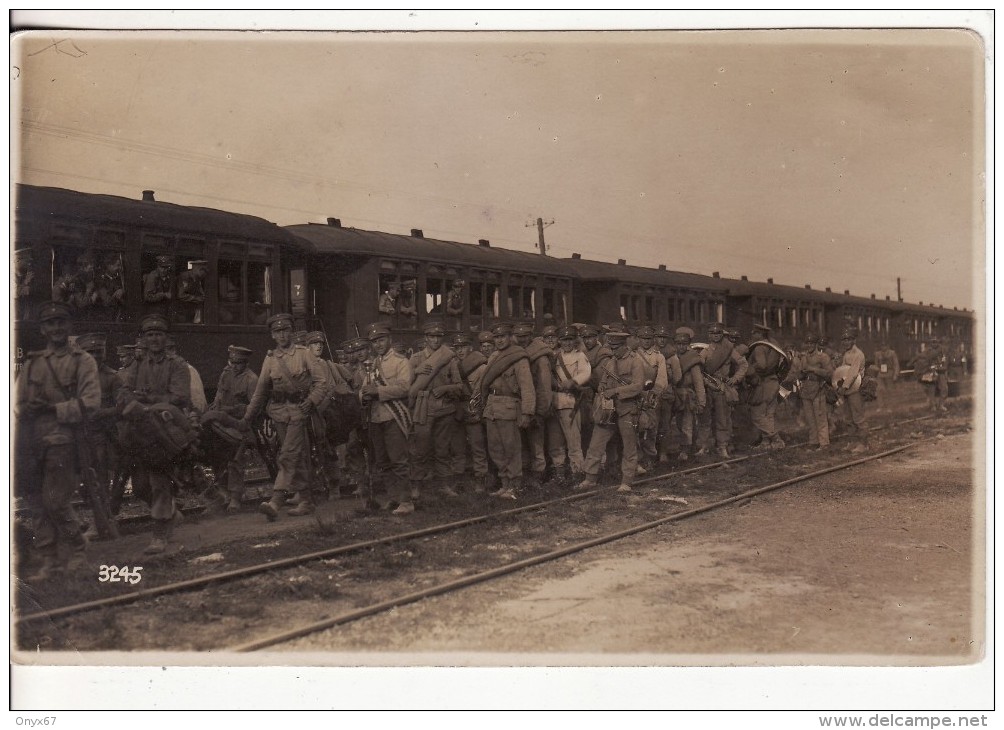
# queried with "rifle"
point(107, 527)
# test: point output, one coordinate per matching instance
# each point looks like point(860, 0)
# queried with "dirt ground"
point(871, 566)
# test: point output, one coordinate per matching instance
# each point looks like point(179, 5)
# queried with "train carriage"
point(97, 254)
point(359, 276)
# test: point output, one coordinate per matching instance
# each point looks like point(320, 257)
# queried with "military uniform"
point(764, 364)
point(55, 392)
point(725, 367)
point(469, 412)
point(533, 438)
point(850, 369)
point(510, 401)
point(656, 373)
point(622, 378)
point(688, 385)
point(156, 378)
point(564, 428)
point(158, 286)
point(887, 363)
point(192, 293)
point(810, 370)
point(389, 419)
point(931, 370)
point(234, 392)
point(435, 397)
point(292, 381)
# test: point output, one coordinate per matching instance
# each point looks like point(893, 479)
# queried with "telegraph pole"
point(540, 234)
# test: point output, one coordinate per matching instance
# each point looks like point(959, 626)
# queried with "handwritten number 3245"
point(115, 574)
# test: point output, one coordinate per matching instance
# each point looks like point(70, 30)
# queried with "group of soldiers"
point(496, 412)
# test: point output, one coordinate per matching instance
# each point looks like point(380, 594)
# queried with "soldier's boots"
point(723, 451)
point(161, 533)
point(589, 482)
point(776, 443)
point(480, 484)
point(507, 490)
point(305, 507)
point(624, 487)
point(235, 503)
point(271, 508)
point(49, 569)
point(405, 508)
point(447, 490)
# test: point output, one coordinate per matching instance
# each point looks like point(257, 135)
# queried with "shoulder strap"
point(503, 363)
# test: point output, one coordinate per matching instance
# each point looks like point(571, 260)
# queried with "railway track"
point(440, 529)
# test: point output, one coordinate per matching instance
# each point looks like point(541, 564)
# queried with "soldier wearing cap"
point(887, 363)
point(595, 353)
point(811, 369)
point(725, 368)
point(847, 378)
point(55, 392)
point(292, 382)
point(486, 343)
point(102, 434)
point(199, 404)
point(158, 377)
point(158, 285)
point(125, 354)
point(541, 366)
point(192, 292)
point(688, 384)
point(24, 277)
point(656, 385)
point(234, 392)
point(510, 402)
point(564, 428)
point(931, 368)
point(383, 388)
point(337, 414)
point(434, 393)
point(766, 360)
point(472, 365)
point(622, 379)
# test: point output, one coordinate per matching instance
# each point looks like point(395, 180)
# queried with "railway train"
point(95, 252)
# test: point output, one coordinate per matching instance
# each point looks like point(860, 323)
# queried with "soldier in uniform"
point(434, 394)
point(887, 364)
point(125, 354)
point(234, 392)
point(688, 383)
point(766, 360)
point(330, 420)
point(102, 434)
point(158, 286)
point(595, 353)
point(564, 428)
point(541, 365)
point(156, 378)
point(292, 382)
point(621, 378)
point(725, 367)
point(652, 398)
point(383, 390)
point(486, 343)
point(510, 404)
point(469, 409)
point(55, 392)
point(931, 370)
point(847, 380)
point(667, 402)
point(192, 292)
point(810, 370)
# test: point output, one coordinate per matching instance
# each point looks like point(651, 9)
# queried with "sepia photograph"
point(493, 343)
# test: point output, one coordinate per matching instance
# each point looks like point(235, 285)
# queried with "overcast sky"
point(831, 158)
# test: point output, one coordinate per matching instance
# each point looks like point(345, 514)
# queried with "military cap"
point(761, 327)
point(410, 284)
point(811, 338)
point(716, 327)
point(169, 341)
point(198, 262)
point(239, 353)
point(435, 329)
point(568, 333)
point(315, 337)
point(502, 328)
point(731, 332)
point(681, 338)
point(376, 331)
point(141, 344)
point(589, 330)
point(91, 341)
point(645, 332)
point(280, 321)
point(684, 331)
point(462, 339)
point(356, 344)
point(153, 323)
point(300, 337)
point(125, 349)
point(616, 337)
point(53, 310)
point(164, 261)
point(523, 328)
point(851, 334)
point(484, 336)
point(935, 341)
point(662, 331)
point(549, 331)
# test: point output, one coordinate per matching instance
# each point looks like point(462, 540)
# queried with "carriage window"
point(719, 312)
point(649, 309)
point(693, 310)
point(522, 302)
point(230, 288)
point(625, 300)
point(435, 291)
point(259, 288)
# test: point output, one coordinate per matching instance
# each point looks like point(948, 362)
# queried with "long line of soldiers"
point(498, 418)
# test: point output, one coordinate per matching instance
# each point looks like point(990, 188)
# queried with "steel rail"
point(239, 573)
point(307, 629)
